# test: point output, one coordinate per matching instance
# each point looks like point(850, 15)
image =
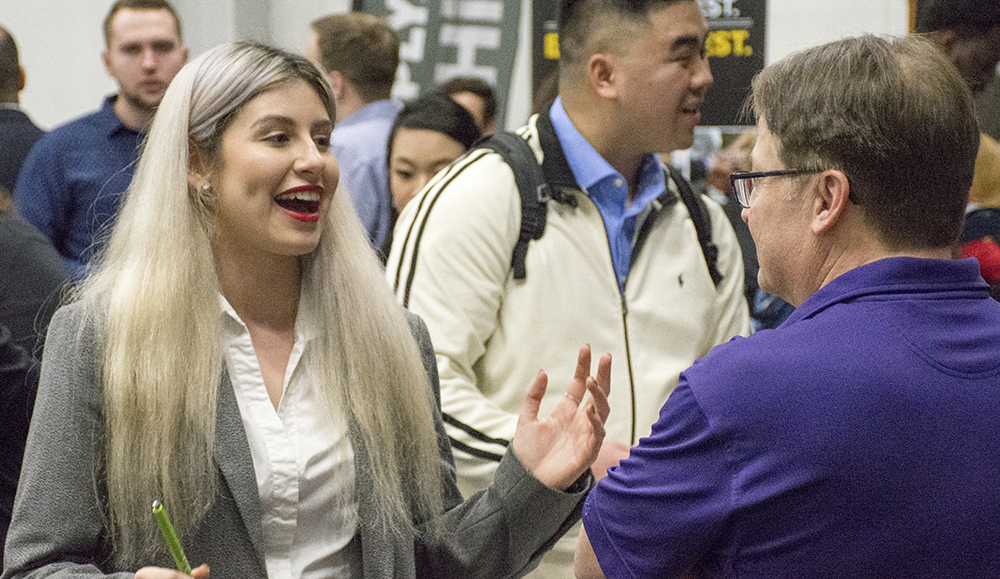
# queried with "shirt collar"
point(893, 275)
point(305, 319)
point(587, 164)
point(109, 120)
point(373, 110)
point(590, 168)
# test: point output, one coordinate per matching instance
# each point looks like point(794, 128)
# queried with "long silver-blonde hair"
point(155, 302)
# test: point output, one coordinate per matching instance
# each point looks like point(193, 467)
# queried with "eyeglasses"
point(743, 181)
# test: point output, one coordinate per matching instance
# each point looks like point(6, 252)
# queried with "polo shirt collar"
point(894, 276)
point(109, 122)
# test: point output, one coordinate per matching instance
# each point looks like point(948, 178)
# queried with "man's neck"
point(861, 246)
point(131, 116)
point(348, 104)
point(590, 122)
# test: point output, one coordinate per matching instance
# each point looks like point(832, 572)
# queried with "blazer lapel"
point(232, 454)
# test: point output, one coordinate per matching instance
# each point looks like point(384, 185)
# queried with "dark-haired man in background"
point(477, 96)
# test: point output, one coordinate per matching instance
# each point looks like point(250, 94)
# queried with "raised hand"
point(559, 449)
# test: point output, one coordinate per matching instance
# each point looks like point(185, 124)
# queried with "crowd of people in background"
point(309, 318)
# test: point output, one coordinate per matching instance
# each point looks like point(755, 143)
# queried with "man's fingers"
point(529, 410)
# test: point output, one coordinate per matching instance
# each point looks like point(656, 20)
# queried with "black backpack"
point(536, 193)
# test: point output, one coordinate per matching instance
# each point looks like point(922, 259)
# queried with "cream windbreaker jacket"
point(451, 264)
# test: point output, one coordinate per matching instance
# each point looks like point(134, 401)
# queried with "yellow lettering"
point(740, 48)
point(722, 43)
point(718, 43)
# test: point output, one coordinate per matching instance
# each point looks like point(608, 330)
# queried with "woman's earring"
point(206, 187)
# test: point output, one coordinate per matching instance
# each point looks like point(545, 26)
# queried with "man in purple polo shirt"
point(860, 438)
point(72, 182)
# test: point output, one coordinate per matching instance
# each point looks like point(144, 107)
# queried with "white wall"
point(797, 24)
point(60, 40)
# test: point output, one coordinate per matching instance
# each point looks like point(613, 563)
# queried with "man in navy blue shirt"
point(859, 439)
point(71, 184)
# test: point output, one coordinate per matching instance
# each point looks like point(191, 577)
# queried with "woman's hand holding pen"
point(559, 449)
point(161, 573)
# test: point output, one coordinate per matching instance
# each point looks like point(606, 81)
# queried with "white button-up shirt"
point(302, 457)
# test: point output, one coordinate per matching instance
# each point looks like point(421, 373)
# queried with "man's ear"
point(336, 83)
point(832, 198)
point(106, 60)
point(600, 75)
point(22, 78)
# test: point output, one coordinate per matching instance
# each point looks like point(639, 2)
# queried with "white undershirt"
point(302, 458)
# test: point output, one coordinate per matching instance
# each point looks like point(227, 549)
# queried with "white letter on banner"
point(466, 40)
point(413, 49)
point(473, 10)
point(403, 14)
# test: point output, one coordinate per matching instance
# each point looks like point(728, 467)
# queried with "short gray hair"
point(894, 115)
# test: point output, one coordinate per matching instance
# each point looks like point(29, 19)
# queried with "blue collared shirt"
point(608, 189)
point(72, 183)
point(359, 143)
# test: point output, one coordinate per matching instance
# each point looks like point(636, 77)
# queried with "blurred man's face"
point(976, 57)
point(143, 55)
point(662, 77)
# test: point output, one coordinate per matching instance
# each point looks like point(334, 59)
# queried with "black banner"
point(441, 39)
point(735, 45)
point(545, 53)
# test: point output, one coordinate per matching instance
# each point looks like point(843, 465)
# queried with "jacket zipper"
point(628, 351)
point(628, 361)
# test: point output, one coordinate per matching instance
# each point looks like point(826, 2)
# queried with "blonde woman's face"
point(277, 176)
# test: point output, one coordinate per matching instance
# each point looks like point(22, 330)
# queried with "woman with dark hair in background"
point(429, 133)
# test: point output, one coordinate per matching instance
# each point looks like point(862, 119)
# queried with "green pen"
point(173, 543)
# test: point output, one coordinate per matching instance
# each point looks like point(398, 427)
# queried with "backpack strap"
point(534, 190)
point(702, 223)
point(535, 193)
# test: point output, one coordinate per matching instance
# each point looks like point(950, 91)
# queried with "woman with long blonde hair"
point(238, 356)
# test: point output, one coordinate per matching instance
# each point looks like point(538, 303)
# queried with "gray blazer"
point(58, 529)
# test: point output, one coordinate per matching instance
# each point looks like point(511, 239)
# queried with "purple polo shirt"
point(859, 439)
